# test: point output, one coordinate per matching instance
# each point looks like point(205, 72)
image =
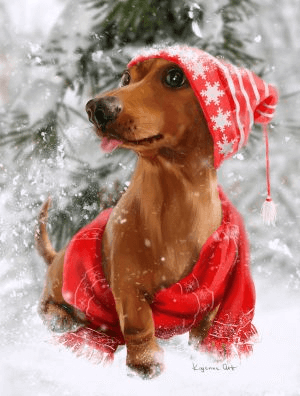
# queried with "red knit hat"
point(232, 100)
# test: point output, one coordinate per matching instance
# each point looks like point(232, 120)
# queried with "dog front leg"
point(143, 353)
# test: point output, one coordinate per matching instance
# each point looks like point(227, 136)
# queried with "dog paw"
point(194, 342)
point(60, 318)
point(145, 371)
point(145, 360)
point(63, 324)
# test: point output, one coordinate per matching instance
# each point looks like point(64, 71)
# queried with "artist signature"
point(224, 367)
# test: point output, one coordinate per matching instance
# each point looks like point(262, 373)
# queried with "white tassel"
point(268, 212)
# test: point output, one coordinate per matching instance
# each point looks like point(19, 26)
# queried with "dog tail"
point(42, 241)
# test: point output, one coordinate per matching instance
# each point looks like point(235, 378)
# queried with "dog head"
point(154, 111)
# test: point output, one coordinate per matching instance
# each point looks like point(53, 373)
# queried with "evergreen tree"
point(46, 128)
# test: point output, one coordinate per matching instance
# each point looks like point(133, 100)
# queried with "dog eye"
point(125, 79)
point(175, 78)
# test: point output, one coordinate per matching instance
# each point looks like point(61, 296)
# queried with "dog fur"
point(171, 208)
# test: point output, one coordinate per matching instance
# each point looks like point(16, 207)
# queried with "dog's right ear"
point(42, 241)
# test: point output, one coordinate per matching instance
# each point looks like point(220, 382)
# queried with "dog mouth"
point(148, 140)
point(113, 141)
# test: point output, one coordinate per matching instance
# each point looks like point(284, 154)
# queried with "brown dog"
point(172, 205)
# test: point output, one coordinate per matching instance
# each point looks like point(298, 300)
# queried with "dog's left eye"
point(175, 78)
point(125, 79)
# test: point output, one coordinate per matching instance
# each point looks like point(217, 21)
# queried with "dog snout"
point(103, 110)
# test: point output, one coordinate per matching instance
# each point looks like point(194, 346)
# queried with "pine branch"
point(90, 59)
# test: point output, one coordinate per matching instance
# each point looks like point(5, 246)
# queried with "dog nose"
point(103, 110)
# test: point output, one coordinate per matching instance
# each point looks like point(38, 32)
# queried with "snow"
point(30, 364)
point(196, 29)
point(279, 246)
point(24, 15)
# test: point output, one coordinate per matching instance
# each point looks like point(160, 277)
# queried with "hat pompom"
point(264, 111)
point(268, 212)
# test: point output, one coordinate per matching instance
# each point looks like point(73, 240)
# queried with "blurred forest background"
point(47, 146)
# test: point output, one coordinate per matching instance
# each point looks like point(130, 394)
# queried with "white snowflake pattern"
point(221, 120)
point(189, 57)
point(198, 69)
point(185, 54)
point(194, 63)
point(212, 93)
point(191, 60)
point(226, 147)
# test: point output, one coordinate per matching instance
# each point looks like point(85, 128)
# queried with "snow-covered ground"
point(30, 365)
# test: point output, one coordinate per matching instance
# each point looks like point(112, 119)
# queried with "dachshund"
point(172, 206)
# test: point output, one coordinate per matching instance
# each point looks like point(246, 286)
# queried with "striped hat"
point(232, 100)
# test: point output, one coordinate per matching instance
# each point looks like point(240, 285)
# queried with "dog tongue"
point(109, 145)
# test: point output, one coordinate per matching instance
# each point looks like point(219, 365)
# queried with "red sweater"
point(220, 276)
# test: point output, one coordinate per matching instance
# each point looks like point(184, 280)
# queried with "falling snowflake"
point(212, 93)
point(225, 146)
point(221, 120)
